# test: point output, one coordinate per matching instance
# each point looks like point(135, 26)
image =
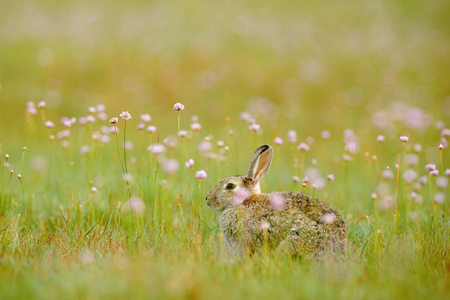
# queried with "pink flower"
point(439, 198)
point(141, 126)
point(254, 127)
point(292, 136)
point(178, 106)
point(146, 118)
point(278, 141)
point(445, 132)
point(196, 127)
point(101, 107)
point(387, 174)
point(423, 180)
point(380, 139)
point(190, 163)
point(325, 134)
point(104, 139)
point(295, 179)
point(201, 174)
point(84, 150)
point(156, 148)
point(67, 123)
point(265, 226)
point(82, 121)
point(387, 203)
point(31, 109)
point(417, 148)
point(409, 176)
point(412, 159)
point(102, 116)
point(347, 157)
point(374, 196)
point(430, 167)
point(127, 177)
point(447, 172)
point(136, 205)
point(245, 116)
point(125, 115)
point(303, 147)
point(41, 104)
point(170, 165)
point(49, 124)
point(114, 120)
point(128, 145)
point(91, 110)
point(205, 146)
point(442, 182)
point(330, 177)
point(182, 133)
point(240, 195)
point(404, 139)
point(277, 201)
point(328, 218)
point(441, 146)
point(416, 197)
point(151, 129)
point(94, 189)
point(434, 173)
point(351, 147)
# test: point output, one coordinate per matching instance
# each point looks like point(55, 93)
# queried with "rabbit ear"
point(260, 163)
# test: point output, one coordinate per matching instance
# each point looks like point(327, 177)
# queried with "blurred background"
point(327, 64)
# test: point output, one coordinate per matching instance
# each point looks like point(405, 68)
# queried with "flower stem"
point(184, 167)
point(124, 146)
point(118, 149)
point(396, 191)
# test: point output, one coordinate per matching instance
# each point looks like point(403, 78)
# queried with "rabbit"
point(294, 222)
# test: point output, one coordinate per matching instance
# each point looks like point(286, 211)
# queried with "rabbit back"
point(298, 227)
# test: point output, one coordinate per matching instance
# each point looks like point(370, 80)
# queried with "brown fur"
point(296, 228)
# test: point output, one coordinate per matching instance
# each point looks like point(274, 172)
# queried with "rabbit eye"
point(230, 186)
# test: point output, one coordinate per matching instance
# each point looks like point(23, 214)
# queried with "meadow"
point(354, 98)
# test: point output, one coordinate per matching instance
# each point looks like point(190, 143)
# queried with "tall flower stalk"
point(114, 122)
point(126, 116)
point(179, 107)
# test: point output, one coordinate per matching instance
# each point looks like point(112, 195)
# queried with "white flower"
point(49, 124)
point(254, 127)
point(303, 147)
point(125, 115)
point(201, 174)
point(178, 106)
point(156, 148)
point(278, 141)
point(151, 129)
point(196, 126)
point(404, 139)
point(146, 118)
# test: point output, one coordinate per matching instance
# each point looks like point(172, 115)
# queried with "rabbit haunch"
point(302, 225)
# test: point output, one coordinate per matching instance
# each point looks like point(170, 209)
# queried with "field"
point(95, 210)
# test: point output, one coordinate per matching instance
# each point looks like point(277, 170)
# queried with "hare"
point(294, 222)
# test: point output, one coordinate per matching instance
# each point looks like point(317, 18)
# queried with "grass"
point(372, 68)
